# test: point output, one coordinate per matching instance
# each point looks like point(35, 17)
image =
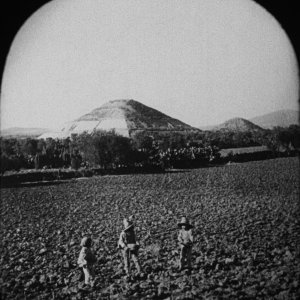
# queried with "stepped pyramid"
point(126, 117)
point(237, 125)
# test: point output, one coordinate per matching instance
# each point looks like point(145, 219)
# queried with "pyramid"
point(125, 117)
point(237, 125)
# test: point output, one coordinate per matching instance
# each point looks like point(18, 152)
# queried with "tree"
point(30, 147)
point(295, 136)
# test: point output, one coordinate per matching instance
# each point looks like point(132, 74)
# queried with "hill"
point(18, 132)
point(237, 125)
point(281, 118)
point(126, 117)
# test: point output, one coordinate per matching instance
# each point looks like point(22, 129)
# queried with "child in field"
point(86, 260)
point(185, 239)
point(129, 246)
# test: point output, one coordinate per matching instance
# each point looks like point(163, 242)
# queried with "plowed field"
point(247, 233)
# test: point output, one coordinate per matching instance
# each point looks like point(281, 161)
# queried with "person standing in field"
point(86, 260)
point(129, 246)
point(185, 239)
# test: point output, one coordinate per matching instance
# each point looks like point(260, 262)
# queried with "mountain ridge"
point(279, 118)
point(23, 132)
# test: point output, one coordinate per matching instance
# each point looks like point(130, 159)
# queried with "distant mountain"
point(282, 118)
point(126, 117)
point(237, 125)
point(206, 127)
point(18, 132)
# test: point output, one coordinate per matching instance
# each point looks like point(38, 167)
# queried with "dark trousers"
point(185, 256)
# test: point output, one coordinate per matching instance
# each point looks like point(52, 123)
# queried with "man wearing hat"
point(185, 239)
point(129, 246)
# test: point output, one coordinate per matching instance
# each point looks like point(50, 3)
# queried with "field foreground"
point(247, 232)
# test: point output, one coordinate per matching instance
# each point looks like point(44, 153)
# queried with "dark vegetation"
point(246, 229)
point(107, 152)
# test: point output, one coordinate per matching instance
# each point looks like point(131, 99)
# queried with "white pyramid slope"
point(122, 116)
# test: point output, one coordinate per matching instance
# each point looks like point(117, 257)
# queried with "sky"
point(200, 61)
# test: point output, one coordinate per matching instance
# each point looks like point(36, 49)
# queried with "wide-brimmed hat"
point(86, 242)
point(127, 224)
point(185, 221)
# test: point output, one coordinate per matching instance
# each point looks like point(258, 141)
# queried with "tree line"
point(107, 150)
